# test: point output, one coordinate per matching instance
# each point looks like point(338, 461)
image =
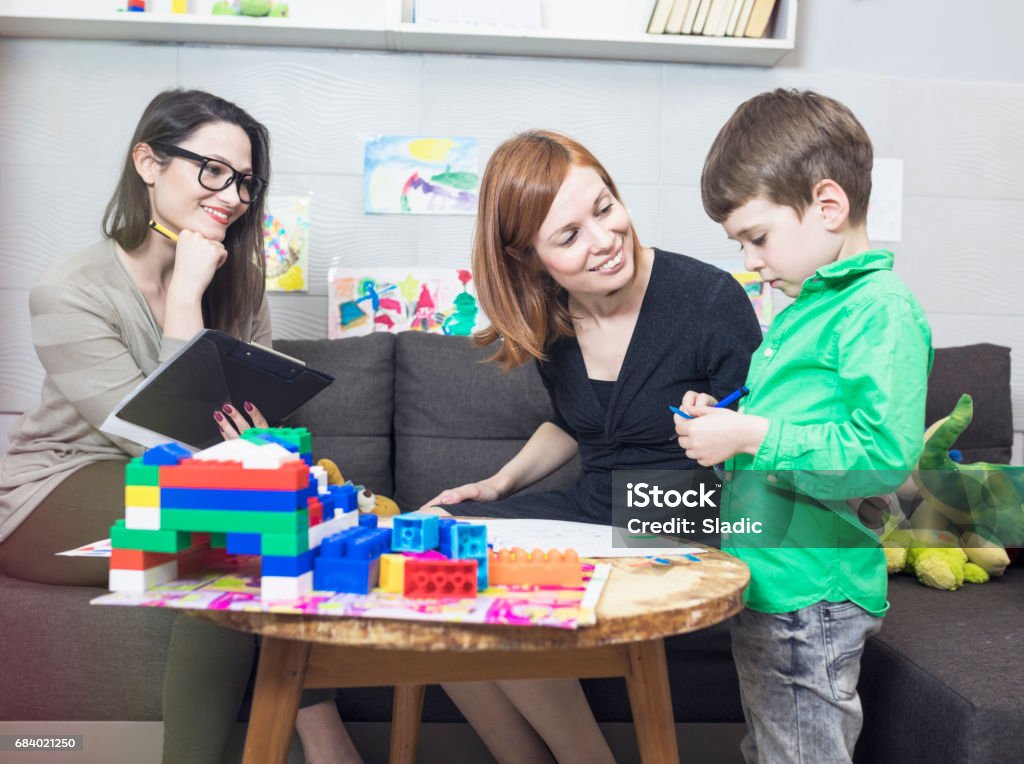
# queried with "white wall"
point(939, 87)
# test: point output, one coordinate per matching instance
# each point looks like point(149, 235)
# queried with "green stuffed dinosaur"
point(968, 515)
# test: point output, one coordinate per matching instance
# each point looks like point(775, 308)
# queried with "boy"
point(835, 411)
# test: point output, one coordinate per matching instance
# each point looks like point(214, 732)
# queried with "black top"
point(603, 389)
point(696, 331)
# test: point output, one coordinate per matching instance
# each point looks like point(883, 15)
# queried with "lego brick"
point(332, 574)
point(336, 524)
point(440, 578)
point(517, 567)
point(137, 473)
point(137, 559)
point(234, 520)
point(468, 542)
point(217, 540)
point(418, 533)
point(296, 436)
point(274, 565)
point(252, 455)
point(141, 496)
point(165, 540)
point(140, 580)
point(316, 511)
point(168, 453)
point(233, 499)
point(392, 573)
point(243, 543)
point(368, 521)
point(290, 476)
point(444, 535)
point(282, 588)
point(285, 544)
point(344, 497)
point(142, 518)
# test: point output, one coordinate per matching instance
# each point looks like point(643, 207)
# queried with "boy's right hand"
point(482, 491)
point(694, 401)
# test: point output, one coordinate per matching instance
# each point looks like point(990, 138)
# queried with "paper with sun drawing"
point(421, 176)
point(286, 243)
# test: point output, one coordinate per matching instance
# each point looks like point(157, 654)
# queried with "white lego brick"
point(341, 521)
point(320, 475)
point(142, 518)
point(251, 455)
point(139, 580)
point(285, 587)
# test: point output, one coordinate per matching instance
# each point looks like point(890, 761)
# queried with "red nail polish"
point(218, 416)
point(227, 408)
point(248, 406)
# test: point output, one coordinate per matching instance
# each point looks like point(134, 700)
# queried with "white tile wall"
point(951, 108)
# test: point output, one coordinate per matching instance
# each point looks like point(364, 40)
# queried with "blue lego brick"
point(481, 572)
point(335, 544)
point(444, 535)
point(168, 453)
point(344, 497)
point(218, 498)
point(327, 501)
point(468, 542)
point(287, 566)
point(243, 543)
point(355, 576)
point(368, 521)
point(357, 543)
point(419, 533)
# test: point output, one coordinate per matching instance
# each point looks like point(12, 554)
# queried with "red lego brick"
point(316, 511)
point(290, 476)
point(136, 559)
point(440, 578)
point(517, 567)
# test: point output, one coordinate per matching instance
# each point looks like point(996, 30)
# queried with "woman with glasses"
point(182, 253)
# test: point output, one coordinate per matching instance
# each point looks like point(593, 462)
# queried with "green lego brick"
point(234, 521)
point(218, 540)
point(137, 473)
point(285, 544)
point(297, 436)
point(149, 541)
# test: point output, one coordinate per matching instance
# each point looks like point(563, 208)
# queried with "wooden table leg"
point(405, 722)
point(651, 702)
point(275, 700)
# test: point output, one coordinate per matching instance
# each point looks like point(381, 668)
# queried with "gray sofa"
point(411, 414)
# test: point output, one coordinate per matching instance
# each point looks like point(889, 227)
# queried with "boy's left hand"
point(715, 435)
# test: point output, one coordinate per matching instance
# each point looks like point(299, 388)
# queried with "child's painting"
point(286, 243)
point(421, 176)
point(760, 295)
point(436, 300)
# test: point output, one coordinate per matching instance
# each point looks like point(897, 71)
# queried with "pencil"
point(163, 231)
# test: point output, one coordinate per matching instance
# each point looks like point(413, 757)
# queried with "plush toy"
point(369, 502)
point(250, 8)
point(968, 513)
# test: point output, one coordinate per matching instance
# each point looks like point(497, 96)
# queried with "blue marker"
point(728, 400)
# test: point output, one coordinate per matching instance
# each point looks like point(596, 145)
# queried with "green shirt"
point(842, 376)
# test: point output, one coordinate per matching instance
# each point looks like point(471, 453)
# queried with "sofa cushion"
point(943, 679)
point(458, 420)
point(983, 371)
point(68, 660)
point(351, 419)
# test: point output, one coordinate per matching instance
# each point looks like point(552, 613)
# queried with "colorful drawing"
point(286, 242)
point(435, 300)
point(760, 295)
point(421, 176)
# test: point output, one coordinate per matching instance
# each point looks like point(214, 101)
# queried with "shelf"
point(384, 30)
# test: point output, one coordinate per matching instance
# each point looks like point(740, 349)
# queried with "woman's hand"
point(233, 422)
point(693, 401)
point(485, 490)
point(196, 259)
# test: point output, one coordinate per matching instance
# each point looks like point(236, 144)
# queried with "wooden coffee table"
point(640, 606)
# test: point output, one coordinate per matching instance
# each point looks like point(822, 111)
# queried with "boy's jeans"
point(798, 681)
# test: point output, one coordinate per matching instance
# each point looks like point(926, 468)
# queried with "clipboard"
point(177, 401)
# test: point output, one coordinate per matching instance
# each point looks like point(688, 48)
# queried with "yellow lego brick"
point(392, 573)
point(142, 495)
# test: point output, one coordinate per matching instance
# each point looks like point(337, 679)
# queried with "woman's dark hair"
point(173, 116)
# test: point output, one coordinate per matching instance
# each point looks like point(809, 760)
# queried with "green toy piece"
point(969, 513)
point(223, 8)
point(263, 8)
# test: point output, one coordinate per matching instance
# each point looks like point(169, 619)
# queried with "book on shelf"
point(659, 17)
point(759, 18)
point(744, 18)
point(676, 17)
point(691, 16)
point(734, 18)
point(718, 17)
point(702, 16)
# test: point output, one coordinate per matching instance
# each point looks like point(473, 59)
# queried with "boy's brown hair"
point(778, 145)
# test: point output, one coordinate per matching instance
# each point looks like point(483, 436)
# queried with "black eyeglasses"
point(216, 175)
